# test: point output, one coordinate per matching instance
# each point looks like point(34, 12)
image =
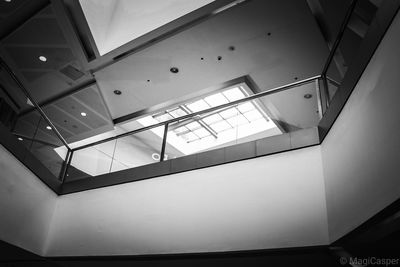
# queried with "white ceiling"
point(295, 48)
point(116, 22)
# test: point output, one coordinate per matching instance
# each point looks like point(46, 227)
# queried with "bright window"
point(214, 128)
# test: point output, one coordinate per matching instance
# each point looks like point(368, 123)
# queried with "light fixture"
point(83, 114)
point(174, 70)
point(43, 58)
point(8, 1)
point(48, 127)
point(307, 96)
point(117, 92)
point(155, 156)
point(20, 139)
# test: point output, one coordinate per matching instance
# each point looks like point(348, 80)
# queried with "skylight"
point(215, 128)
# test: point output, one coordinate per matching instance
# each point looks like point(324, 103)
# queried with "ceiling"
point(65, 114)
point(114, 23)
point(275, 42)
point(44, 34)
point(60, 82)
point(272, 42)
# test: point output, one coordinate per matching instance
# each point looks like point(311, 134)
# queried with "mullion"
point(201, 122)
point(241, 113)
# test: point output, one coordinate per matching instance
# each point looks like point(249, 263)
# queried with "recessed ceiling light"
point(307, 96)
point(8, 1)
point(48, 127)
point(43, 58)
point(156, 156)
point(117, 92)
point(20, 139)
point(83, 114)
point(174, 70)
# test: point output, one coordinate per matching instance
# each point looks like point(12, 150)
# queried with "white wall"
point(26, 205)
point(362, 150)
point(268, 202)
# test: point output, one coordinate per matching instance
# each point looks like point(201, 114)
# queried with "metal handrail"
point(335, 46)
point(251, 97)
point(343, 27)
point(322, 76)
point(166, 124)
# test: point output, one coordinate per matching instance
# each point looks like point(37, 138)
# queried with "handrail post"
point(164, 142)
point(67, 164)
point(321, 108)
point(64, 166)
point(326, 91)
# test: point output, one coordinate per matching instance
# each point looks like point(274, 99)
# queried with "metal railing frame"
point(322, 77)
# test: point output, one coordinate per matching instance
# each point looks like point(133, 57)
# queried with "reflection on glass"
point(137, 150)
point(243, 122)
point(349, 46)
point(44, 145)
point(91, 161)
point(26, 127)
point(39, 138)
point(127, 152)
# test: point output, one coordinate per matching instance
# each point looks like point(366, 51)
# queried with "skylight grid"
point(216, 100)
point(170, 114)
point(198, 105)
point(223, 120)
point(234, 94)
point(217, 127)
point(209, 119)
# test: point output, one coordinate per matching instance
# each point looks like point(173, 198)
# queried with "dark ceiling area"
point(46, 59)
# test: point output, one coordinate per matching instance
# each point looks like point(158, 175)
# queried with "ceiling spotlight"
point(20, 139)
point(174, 70)
point(48, 128)
point(307, 96)
point(117, 92)
point(156, 156)
point(83, 114)
point(8, 1)
point(43, 58)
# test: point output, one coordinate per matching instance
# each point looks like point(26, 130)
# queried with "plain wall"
point(362, 150)
point(268, 202)
point(26, 205)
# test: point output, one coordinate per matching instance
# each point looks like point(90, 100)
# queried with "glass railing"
point(34, 129)
point(187, 129)
point(181, 130)
point(345, 50)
